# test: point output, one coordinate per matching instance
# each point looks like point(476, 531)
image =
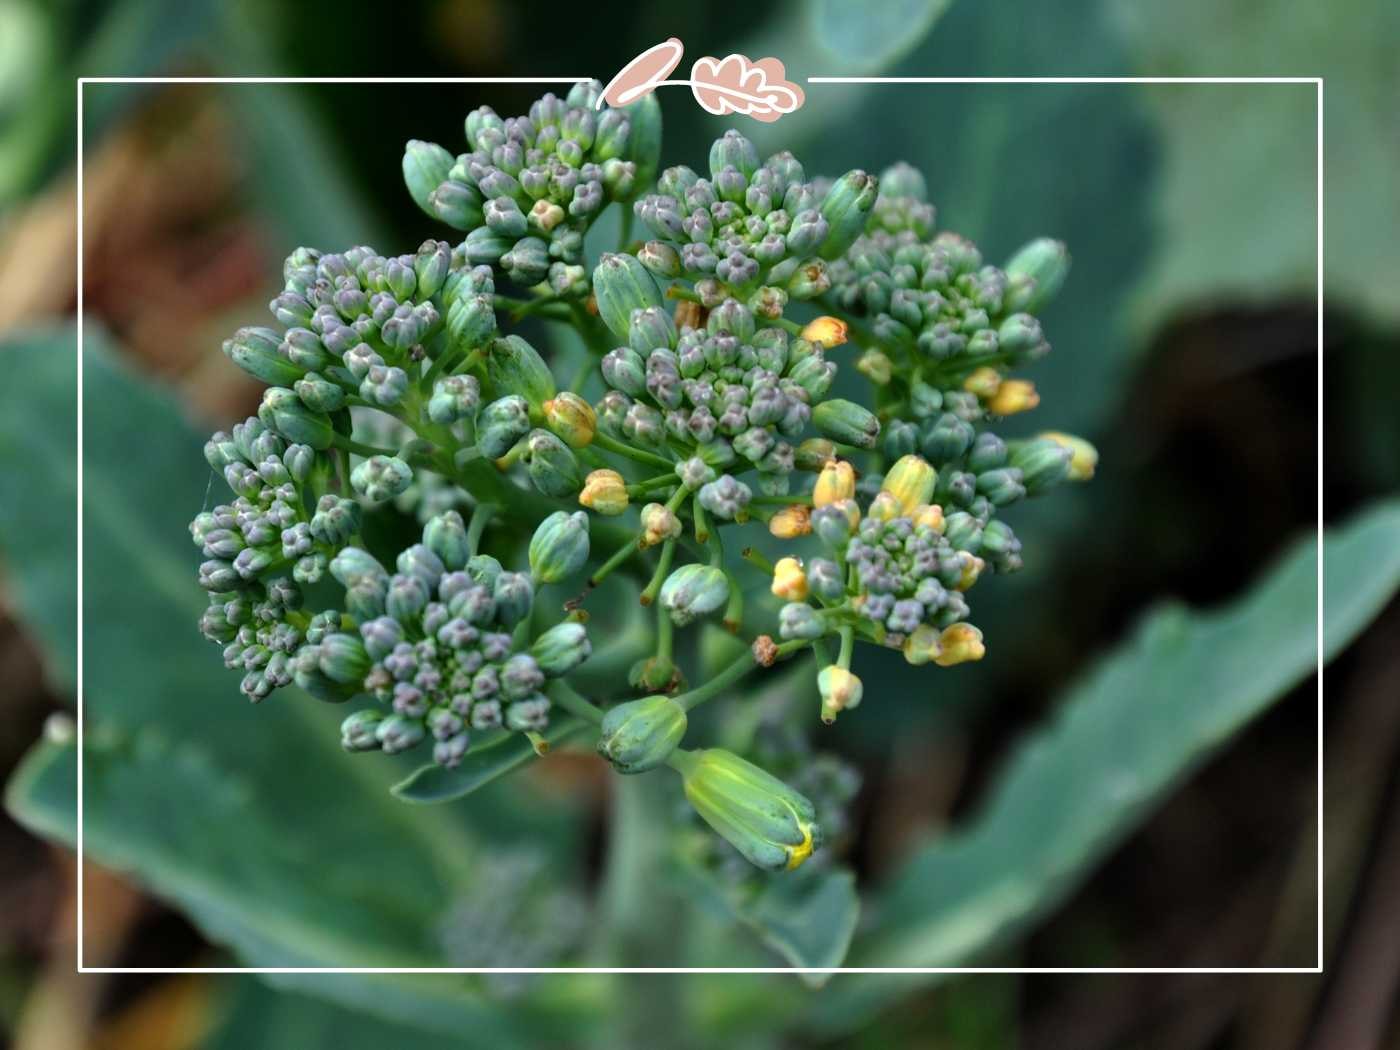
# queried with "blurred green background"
point(1129, 781)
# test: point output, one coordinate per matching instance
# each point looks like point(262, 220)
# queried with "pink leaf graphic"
point(643, 74)
point(736, 85)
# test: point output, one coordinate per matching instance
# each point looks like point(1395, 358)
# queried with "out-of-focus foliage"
point(1243, 227)
point(238, 815)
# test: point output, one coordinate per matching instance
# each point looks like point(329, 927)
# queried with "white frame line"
point(83, 81)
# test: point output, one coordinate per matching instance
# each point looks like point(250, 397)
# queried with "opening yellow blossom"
point(790, 580)
point(829, 331)
point(837, 481)
point(1015, 395)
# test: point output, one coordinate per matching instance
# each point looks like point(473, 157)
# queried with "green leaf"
point(38, 453)
point(254, 1015)
point(1142, 720)
point(250, 819)
point(480, 766)
point(876, 35)
point(807, 917)
point(1238, 198)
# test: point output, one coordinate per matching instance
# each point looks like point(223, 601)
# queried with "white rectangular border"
point(83, 81)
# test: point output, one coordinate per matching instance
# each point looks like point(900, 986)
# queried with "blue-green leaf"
point(1142, 720)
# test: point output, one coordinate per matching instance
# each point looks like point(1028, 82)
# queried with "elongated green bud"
point(342, 658)
point(256, 351)
point(458, 205)
point(622, 284)
point(773, 826)
point(1044, 463)
point(846, 208)
point(847, 422)
point(561, 648)
point(553, 467)
point(425, 166)
point(642, 734)
point(281, 410)
point(514, 366)
point(1036, 273)
point(445, 535)
point(559, 547)
point(693, 591)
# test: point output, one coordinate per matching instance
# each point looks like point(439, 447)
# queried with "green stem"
point(665, 634)
point(754, 558)
point(848, 645)
point(563, 694)
point(481, 517)
point(663, 567)
point(621, 448)
point(619, 556)
point(349, 444)
point(741, 666)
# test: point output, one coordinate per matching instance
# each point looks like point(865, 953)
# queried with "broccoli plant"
point(426, 508)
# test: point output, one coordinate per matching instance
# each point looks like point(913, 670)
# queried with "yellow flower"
point(604, 491)
point(984, 382)
point(790, 580)
point(840, 689)
point(885, 506)
point(829, 331)
point(572, 418)
point(658, 524)
point(961, 642)
point(875, 366)
point(923, 645)
point(791, 522)
point(837, 481)
point(972, 568)
point(930, 514)
point(910, 481)
point(1015, 395)
point(1084, 457)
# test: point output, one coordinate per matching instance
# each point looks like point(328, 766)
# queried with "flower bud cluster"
point(736, 394)
point(435, 646)
point(530, 186)
point(262, 548)
point(355, 325)
point(751, 224)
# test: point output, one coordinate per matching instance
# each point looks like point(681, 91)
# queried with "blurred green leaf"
point(250, 819)
point(480, 766)
point(1238, 205)
point(873, 36)
point(38, 454)
point(807, 918)
point(254, 1015)
point(1149, 714)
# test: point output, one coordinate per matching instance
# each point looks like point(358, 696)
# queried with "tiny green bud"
point(342, 658)
point(514, 595)
point(552, 465)
point(561, 648)
point(257, 351)
point(1044, 463)
point(501, 424)
point(622, 284)
point(445, 535)
point(846, 422)
point(846, 207)
point(559, 547)
point(1036, 273)
point(357, 731)
point(514, 366)
point(281, 410)
point(773, 826)
point(454, 398)
point(642, 734)
point(694, 590)
point(425, 167)
point(381, 478)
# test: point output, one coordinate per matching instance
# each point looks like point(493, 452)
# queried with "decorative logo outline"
point(733, 84)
